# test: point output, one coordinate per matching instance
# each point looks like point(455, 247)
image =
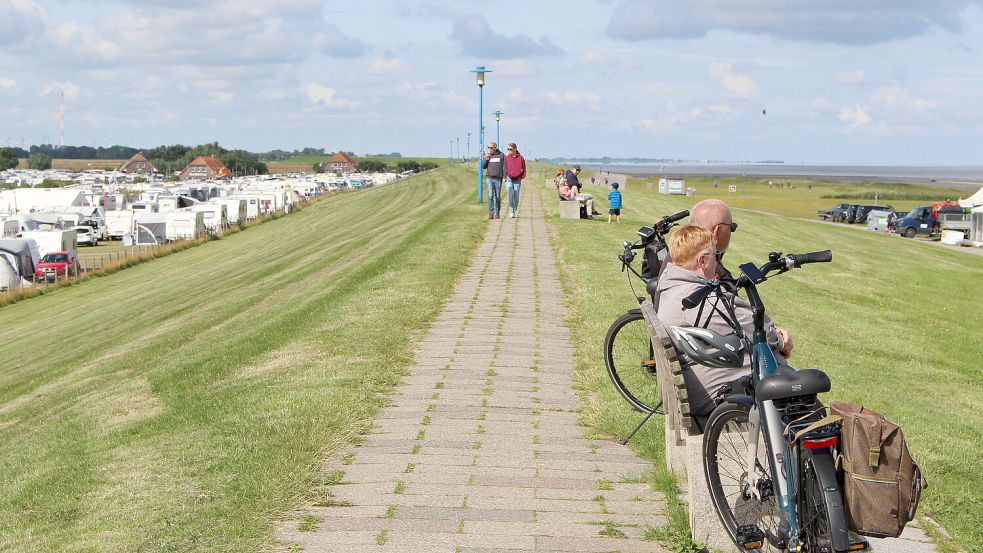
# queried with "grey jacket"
point(702, 382)
point(495, 165)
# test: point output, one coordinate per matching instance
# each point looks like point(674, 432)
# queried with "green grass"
point(795, 198)
point(186, 403)
point(894, 322)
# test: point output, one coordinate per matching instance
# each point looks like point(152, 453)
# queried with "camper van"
point(185, 224)
point(119, 223)
point(20, 257)
point(151, 228)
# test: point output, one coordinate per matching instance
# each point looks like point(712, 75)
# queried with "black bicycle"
point(628, 352)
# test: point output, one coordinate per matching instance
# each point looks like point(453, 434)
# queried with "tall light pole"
point(458, 138)
point(480, 76)
point(469, 147)
point(498, 135)
point(452, 149)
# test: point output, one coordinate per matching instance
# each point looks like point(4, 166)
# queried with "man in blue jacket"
point(494, 165)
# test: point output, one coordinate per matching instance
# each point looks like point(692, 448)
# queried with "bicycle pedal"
point(649, 366)
point(750, 537)
point(858, 543)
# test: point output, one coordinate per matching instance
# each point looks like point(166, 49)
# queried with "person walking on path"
point(614, 203)
point(494, 165)
point(515, 170)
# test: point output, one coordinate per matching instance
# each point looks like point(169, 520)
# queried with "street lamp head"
point(498, 116)
point(480, 74)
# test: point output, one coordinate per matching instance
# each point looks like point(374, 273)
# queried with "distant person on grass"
point(614, 203)
point(494, 165)
point(515, 171)
point(694, 263)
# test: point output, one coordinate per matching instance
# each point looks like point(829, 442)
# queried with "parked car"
point(861, 212)
point(56, 264)
point(86, 235)
point(838, 213)
point(850, 216)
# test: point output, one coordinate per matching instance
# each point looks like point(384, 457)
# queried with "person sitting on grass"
point(694, 264)
point(614, 203)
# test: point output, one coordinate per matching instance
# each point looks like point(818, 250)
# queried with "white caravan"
point(53, 241)
point(235, 209)
point(184, 224)
point(215, 215)
point(120, 222)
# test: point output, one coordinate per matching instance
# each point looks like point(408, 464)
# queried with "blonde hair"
point(687, 243)
point(513, 146)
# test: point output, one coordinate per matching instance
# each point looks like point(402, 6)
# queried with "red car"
point(56, 264)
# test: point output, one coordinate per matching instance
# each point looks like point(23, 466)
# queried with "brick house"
point(138, 165)
point(205, 168)
point(340, 163)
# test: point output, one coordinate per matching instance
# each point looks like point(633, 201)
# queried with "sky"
point(894, 82)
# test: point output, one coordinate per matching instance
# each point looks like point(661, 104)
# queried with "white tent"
point(974, 200)
point(27, 200)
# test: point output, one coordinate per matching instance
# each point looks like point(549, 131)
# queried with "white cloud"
point(898, 99)
point(514, 69)
point(736, 85)
point(388, 66)
point(326, 96)
point(573, 97)
point(7, 84)
point(855, 77)
point(856, 117)
point(21, 23)
point(834, 21)
point(821, 104)
point(593, 57)
point(70, 89)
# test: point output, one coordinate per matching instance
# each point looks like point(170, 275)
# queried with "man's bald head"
point(715, 216)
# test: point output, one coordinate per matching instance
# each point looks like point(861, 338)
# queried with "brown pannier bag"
point(881, 483)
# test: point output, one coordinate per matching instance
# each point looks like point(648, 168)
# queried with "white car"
point(87, 236)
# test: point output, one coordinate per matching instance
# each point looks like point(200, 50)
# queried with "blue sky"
point(872, 82)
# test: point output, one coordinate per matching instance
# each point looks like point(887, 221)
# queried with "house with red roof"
point(138, 165)
point(340, 163)
point(205, 168)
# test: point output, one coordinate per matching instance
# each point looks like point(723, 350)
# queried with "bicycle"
point(787, 494)
point(628, 353)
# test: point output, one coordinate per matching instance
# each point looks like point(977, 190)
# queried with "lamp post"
point(469, 147)
point(480, 78)
point(498, 134)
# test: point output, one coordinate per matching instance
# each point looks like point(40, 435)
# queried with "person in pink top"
point(515, 171)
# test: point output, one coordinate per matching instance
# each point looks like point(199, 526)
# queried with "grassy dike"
point(185, 403)
point(894, 322)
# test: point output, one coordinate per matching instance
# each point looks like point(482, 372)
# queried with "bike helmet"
point(708, 347)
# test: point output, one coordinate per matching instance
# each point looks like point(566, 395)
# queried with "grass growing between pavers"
point(186, 403)
point(895, 323)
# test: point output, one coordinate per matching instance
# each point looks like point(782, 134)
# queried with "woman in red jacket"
point(515, 171)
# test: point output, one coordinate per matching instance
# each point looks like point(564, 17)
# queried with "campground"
point(187, 403)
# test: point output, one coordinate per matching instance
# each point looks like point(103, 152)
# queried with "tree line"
point(170, 159)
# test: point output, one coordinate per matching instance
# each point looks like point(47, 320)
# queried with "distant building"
point(138, 165)
point(205, 168)
point(340, 163)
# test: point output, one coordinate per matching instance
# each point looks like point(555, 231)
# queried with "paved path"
point(480, 450)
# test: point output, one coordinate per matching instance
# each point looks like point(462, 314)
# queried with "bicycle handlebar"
point(664, 223)
point(800, 259)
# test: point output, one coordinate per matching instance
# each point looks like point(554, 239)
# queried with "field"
point(185, 403)
point(303, 164)
point(81, 164)
point(894, 322)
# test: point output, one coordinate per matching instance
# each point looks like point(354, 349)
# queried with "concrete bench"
point(683, 438)
point(570, 209)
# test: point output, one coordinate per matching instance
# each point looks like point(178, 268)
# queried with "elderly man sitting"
point(694, 263)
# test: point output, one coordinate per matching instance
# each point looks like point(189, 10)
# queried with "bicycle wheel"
point(820, 505)
point(629, 358)
point(747, 514)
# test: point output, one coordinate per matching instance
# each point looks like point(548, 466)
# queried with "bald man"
point(715, 216)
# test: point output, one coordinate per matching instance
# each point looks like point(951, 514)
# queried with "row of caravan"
point(150, 227)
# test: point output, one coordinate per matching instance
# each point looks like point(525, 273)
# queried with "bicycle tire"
point(823, 522)
point(628, 356)
point(725, 452)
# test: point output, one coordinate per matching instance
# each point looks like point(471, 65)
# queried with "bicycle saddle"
point(783, 385)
